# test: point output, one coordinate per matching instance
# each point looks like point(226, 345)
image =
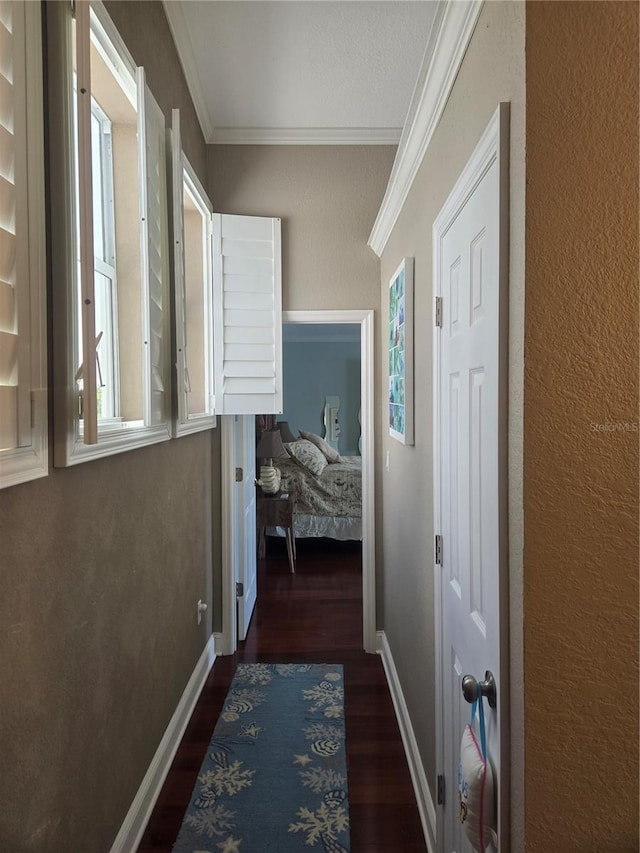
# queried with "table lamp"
point(285, 432)
point(270, 446)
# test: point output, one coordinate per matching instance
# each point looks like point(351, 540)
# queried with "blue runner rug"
point(274, 777)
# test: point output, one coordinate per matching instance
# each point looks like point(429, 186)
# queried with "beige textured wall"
point(492, 71)
point(101, 566)
point(328, 198)
point(581, 482)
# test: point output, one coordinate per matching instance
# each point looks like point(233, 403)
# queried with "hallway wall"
point(581, 427)
point(492, 71)
point(102, 565)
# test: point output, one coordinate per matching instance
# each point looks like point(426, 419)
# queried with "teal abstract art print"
point(274, 777)
point(401, 353)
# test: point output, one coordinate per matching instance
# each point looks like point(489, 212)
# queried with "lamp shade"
point(270, 445)
point(285, 432)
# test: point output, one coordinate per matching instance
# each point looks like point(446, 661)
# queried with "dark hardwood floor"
point(314, 616)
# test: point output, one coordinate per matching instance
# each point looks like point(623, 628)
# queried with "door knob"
point(487, 688)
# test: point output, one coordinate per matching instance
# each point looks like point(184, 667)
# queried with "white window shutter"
point(178, 267)
point(247, 314)
point(23, 425)
point(10, 121)
point(155, 255)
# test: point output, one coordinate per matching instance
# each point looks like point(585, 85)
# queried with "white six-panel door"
point(469, 412)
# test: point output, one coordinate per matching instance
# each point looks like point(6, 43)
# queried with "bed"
point(329, 493)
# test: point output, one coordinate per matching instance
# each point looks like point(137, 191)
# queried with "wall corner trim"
point(448, 41)
point(132, 829)
point(426, 806)
point(184, 49)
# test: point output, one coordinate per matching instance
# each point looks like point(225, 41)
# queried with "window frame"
point(79, 440)
point(29, 460)
point(185, 178)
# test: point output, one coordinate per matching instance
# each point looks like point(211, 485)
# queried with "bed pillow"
point(329, 452)
point(308, 455)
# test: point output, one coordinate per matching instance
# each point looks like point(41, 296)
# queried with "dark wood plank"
point(314, 616)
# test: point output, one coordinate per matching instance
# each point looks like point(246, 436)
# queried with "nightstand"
point(276, 511)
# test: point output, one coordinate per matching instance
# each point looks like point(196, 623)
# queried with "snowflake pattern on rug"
point(253, 797)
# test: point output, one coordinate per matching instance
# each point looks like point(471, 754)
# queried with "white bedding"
point(328, 505)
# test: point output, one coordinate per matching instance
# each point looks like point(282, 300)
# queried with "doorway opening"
point(366, 445)
point(364, 319)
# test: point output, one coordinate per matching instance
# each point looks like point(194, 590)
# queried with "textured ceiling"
point(301, 70)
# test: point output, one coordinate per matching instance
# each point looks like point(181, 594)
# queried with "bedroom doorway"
point(365, 321)
point(364, 318)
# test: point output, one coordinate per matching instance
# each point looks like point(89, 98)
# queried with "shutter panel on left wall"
point(23, 427)
point(155, 256)
point(12, 128)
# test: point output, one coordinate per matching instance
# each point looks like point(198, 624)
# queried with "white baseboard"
point(138, 815)
point(426, 807)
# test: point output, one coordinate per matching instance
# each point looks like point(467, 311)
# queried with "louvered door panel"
point(14, 353)
point(155, 255)
point(248, 284)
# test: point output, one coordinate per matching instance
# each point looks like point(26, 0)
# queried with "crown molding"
point(306, 135)
point(448, 41)
point(184, 46)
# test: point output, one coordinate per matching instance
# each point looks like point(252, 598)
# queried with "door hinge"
point(438, 549)
point(438, 311)
point(239, 590)
point(239, 475)
point(440, 791)
point(33, 410)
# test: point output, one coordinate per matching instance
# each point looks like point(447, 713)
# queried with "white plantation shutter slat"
point(6, 45)
point(7, 155)
point(155, 251)
point(247, 369)
point(7, 105)
point(247, 249)
point(7, 307)
point(8, 256)
point(7, 205)
point(250, 319)
point(247, 283)
point(249, 267)
point(8, 358)
point(247, 277)
point(249, 352)
point(248, 228)
point(249, 385)
point(245, 301)
point(247, 336)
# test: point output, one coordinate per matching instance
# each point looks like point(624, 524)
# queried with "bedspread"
point(336, 492)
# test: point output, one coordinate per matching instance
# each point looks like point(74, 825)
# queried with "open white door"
point(245, 528)
point(470, 268)
point(239, 558)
